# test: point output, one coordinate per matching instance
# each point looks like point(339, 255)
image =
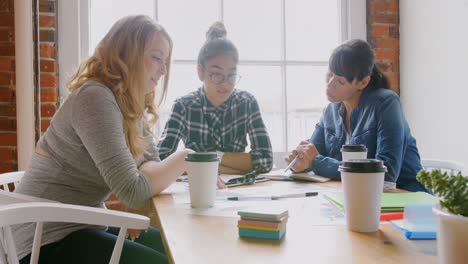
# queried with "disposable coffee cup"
point(202, 170)
point(362, 182)
point(350, 151)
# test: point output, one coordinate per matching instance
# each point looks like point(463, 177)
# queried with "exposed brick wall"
point(49, 72)
point(8, 156)
point(383, 34)
point(48, 65)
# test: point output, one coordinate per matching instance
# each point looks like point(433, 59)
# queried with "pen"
point(274, 197)
point(292, 163)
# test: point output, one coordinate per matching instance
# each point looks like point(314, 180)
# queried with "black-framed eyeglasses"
point(219, 78)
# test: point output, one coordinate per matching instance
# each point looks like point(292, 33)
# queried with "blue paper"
point(419, 222)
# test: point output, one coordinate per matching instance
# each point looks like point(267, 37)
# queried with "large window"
point(284, 46)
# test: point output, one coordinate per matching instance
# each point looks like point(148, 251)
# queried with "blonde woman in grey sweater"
point(99, 142)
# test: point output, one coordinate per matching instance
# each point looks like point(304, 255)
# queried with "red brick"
point(46, 21)
point(7, 154)
point(393, 6)
point(48, 80)
point(384, 19)
point(379, 30)
point(387, 43)
point(5, 6)
point(8, 110)
point(387, 54)
point(7, 35)
point(45, 123)
point(8, 139)
point(393, 32)
point(48, 110)
point(7, 20)
point(7, 166)
point(7, 49)
point(7, 95)
point(47, 50)
point(49, 95)
point(7, 124)
point(6, 64)
point(6, 79)
point(378, 6)
point(47, 66)
point(396, 66)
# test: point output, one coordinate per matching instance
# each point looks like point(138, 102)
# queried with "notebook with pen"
point(391, 202)
point(281, 175)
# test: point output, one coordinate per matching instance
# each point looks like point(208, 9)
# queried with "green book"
point(391, 202)
point(246, 232)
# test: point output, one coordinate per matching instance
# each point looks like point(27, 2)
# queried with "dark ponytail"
point(354, 60)
point(378, 79)
point(216, 43)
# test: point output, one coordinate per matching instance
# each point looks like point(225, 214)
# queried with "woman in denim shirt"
point(363, 110)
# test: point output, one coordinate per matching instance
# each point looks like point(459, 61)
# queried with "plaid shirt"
point(202, 127)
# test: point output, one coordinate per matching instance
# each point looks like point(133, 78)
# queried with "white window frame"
point(73, 40)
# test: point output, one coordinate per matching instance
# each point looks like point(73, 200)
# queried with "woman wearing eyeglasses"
point(218, 117)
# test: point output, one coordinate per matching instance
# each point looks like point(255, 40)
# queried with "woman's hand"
point(221, 184)
point(307, 153)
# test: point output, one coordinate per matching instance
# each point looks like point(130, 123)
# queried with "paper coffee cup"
point(350, 151)
point(362, 182)
point(202, 170)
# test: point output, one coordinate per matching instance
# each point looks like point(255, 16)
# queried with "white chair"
point(452, 167)
point(10, 178)
point(18, 208)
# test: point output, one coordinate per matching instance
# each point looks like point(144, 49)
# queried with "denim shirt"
point(377, 122)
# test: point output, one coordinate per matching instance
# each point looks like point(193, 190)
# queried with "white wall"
point(434, 75)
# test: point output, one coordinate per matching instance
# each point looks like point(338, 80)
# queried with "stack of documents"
point(263, 223)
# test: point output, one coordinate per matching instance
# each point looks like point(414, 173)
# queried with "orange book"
point(260, 224)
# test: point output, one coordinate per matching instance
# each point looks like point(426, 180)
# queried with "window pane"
point(312, 29)
point(264, 82)
point(257, 34)
point(187, 23)
point(101, 18)
point(183, 80)
point(306, 99)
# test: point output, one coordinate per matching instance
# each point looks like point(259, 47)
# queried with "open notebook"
point(391, 202)
point(281, 175)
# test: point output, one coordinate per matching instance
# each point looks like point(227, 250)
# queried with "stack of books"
point(263, 223)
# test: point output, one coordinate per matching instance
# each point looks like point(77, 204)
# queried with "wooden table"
point(212, 239)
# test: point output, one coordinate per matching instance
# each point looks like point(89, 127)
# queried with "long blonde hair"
point(118, 63)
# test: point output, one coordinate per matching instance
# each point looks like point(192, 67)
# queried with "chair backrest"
point(18, 212)
point(10, 179)
point(279, 161)
point(18, 208)
point(451, 167)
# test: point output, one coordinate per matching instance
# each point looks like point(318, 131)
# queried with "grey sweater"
point(89, 160)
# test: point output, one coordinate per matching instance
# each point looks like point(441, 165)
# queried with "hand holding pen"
point(302, 157)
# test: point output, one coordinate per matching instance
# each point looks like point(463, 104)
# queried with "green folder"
point(391, 202)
